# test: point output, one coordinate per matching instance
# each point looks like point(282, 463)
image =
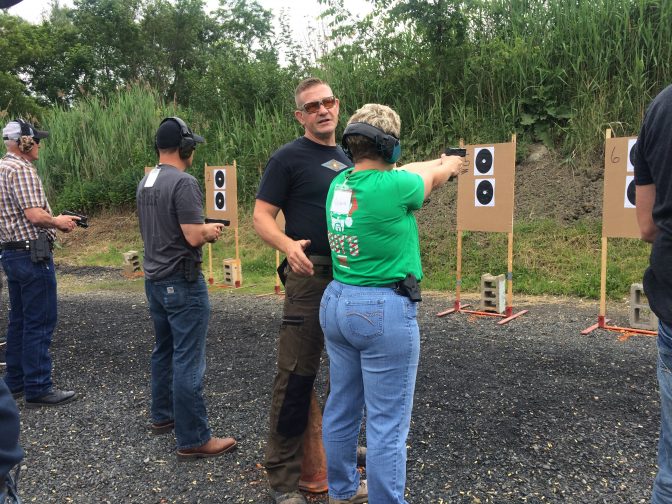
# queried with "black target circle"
point(219, 200)
point(219, 179)
point(484, 161)
point(485, 192)
point(630, 192)
point(631, 156)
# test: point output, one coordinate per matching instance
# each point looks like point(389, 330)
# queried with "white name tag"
point(341, 201)
point(151, 178)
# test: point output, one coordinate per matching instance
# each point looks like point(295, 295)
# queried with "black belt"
point(20, 245)
point(16, 245)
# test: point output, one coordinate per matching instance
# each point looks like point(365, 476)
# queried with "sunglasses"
point(314, 106)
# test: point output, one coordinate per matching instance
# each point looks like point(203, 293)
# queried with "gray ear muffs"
point(388, 146)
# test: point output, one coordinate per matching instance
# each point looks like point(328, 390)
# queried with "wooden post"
point(211, 280)
point(603, 283)
point(509, 277)
point(277, 277)
point(314, 465)
point(458, 272)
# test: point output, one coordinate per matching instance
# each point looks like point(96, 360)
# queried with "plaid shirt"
point(20, 188)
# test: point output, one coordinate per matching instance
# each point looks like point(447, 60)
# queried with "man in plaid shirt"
point(27, 233)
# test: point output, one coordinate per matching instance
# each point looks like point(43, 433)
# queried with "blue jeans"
point(10, 451)
point(373, 342)
point(662, 486)
point(180, 312)
point(32, 320)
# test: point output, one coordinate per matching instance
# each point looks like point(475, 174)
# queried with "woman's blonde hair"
point(379, 116)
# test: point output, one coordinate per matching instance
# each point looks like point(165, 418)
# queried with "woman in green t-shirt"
point(368, 313)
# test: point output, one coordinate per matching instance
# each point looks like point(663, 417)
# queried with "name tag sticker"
point(151, 178)
point(342, 201)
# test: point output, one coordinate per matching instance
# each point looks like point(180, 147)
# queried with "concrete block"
point(641, 316)
point(493, 293)
point(233, 273)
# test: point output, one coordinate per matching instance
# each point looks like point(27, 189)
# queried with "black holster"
point(409, 287)
point(192, 269)
point(40, 249)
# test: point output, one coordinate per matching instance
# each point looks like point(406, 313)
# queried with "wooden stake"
point(509, 274)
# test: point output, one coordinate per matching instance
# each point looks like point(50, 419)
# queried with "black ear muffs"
point(25, 141)
point(388, 146)
point(187, 142)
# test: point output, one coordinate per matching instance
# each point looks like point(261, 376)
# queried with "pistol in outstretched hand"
point(218, 221)
point(83, 219)
point(455, 151)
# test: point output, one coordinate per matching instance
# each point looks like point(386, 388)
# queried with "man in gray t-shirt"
point(170, 210)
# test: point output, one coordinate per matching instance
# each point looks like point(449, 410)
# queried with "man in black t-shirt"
point(653, 180)
point(296, 181)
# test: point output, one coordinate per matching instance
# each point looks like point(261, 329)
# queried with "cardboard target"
point(484, 192)
point(485, 202)
point(631, 145)
point(484, 161)
point(619, 219)
point(221, 193)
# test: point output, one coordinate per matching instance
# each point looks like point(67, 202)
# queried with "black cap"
point(170, 134)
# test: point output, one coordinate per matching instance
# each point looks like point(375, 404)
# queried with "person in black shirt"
point(653, 196)
point(296, 181)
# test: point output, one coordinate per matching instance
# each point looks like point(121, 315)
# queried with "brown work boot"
point(213, 448)
point(360, 497)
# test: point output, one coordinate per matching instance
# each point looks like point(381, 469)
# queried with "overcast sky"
point(301, 12)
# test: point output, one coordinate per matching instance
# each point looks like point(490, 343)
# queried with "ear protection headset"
point(187, 143)
point(25, 141)
point(388, 146)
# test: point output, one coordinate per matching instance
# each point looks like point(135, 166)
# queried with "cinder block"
point(132, 266)
point(493, 293)
point(641, 316)
point(233, 273)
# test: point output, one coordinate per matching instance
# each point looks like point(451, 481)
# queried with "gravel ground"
point(527, 412)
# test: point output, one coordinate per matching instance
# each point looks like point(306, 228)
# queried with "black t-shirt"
point(166, 199)
point(653, 165)
point(297, 179)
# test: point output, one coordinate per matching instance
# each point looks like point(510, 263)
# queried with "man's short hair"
point(380, 116)
point(306, 84)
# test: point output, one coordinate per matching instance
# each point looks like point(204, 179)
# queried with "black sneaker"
point(52, 398)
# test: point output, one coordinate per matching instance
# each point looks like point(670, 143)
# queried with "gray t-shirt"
point(172, 199)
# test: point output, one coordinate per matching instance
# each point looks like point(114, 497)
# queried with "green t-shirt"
point(372, 231)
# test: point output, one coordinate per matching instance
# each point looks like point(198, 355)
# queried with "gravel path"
point(529, 412)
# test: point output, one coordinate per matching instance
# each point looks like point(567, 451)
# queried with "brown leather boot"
point(213, 448)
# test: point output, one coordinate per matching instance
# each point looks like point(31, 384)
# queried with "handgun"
point(455, 151)
point(83, 219)
point(218, 221)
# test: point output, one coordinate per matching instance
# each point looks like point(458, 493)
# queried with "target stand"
point(221, 201)
point(485, 203)
point(619, 219)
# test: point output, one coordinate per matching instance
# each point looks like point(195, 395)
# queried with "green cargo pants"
point(299, 350)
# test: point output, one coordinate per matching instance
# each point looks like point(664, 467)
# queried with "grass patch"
point(549, 258)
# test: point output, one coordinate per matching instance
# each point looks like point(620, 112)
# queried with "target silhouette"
point(220, 200)
point(220, 179)
point(629, 200)
point(484, 161)
point(484, 192)
point(631, 148)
